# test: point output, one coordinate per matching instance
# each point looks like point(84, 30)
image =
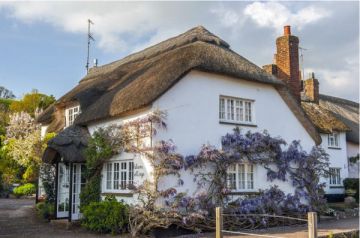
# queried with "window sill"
point(120, 194)
point(237, 123)
point(334, 148)
point(249, 192)
point(336, 186)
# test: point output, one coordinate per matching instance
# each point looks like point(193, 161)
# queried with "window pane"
point(250, 176)
point(123, 175)
point(241, 172)
point(108, 175)
point(131, 172)
point(222, 108)
point(116, 175)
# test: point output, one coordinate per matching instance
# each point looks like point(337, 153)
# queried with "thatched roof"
point(47, 115)
point(345, 111)
point(322, 118)
point(136, 81)
point(69, 145)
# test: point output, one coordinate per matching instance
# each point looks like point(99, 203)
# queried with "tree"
point(6, 93)
point(32, 102)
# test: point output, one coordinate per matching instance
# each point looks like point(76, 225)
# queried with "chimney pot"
point(287, 30)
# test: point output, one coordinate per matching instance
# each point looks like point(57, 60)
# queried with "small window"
point(335, 178)
point(236, 110)
point(333, 140)
point(119, 175)
point(71, 114)
point(241, 177)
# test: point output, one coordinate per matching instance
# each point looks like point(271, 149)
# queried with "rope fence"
point(249, 222)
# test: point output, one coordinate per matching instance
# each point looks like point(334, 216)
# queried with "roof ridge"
point(338, 100)
point(199, 33)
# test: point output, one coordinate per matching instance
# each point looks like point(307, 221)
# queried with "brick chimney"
point(311, 89)
point(287, 61)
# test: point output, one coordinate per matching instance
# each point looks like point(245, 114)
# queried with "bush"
point(24, 190)
point(45, 210)
point(106, 216)
point(353, 184)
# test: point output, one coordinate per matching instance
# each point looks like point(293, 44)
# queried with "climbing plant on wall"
point(161, 207)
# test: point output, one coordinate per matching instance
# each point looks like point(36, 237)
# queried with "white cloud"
point(275, 15)
point(341, 82)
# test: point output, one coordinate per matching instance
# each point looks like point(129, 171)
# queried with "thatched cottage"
point(202, 85)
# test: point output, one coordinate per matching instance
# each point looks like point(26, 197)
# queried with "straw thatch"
point(322, 118)
point(137, 80)
point(346, 111)
point(68, 145)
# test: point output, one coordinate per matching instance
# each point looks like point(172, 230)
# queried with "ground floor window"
point(335, 178)
point(119, 174)
point(241, 177)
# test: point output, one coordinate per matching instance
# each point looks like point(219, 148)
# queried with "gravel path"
point(18, 219)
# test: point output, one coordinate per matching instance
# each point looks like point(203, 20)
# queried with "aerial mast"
point(90, 38)
point(302, 61)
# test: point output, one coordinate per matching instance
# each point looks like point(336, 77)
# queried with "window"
point(335, 178)
point(241, 177)
point(119, 174)
point(236, 110)
point(70, 115)
point(333, 140)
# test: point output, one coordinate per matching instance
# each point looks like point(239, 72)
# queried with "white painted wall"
point(192, 107)
point(337, 159)
point(141, 164)
point(193, 118)
point(353, 150)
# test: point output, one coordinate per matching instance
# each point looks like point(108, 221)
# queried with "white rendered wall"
point(353, 150)
point(193, 119)
point(337, 159)
point(142, 167)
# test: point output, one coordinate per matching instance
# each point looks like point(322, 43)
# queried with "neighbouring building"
point(206, 90)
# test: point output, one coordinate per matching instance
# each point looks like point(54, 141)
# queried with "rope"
point(251, 234)
point(266, 215)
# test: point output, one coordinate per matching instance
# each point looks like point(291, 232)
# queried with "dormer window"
point(70, 114)
point(333, 140)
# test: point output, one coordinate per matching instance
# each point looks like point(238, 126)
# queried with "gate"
point(227, 223)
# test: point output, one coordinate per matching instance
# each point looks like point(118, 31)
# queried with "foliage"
point(354, 159)
point(32, 102)
point(24, 190)
point(45, 210)
point(47, 176)
point(6, 93)
point(209, 167)
point(107, 142)
point(353, 184)
point(106, 216)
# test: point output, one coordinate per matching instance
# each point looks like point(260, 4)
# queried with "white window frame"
point(334, 140)
point(70, 115)
point(335, 177)
point(236, 110)
point(244, 175)
point(118, 174)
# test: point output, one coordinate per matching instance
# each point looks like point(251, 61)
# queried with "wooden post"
point(219, 222)
point(312, 224)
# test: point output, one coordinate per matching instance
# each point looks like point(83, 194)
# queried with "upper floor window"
point(333, 140)
point(70, 115)
point(335, 178)
point(236, 110)
point(119, 174)
point(241, 177)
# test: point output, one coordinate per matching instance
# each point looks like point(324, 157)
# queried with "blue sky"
point(43, 44)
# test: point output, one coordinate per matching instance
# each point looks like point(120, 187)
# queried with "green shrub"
point(45, 210)
point(353, 184)
point(24, 190)
point(106, 216)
